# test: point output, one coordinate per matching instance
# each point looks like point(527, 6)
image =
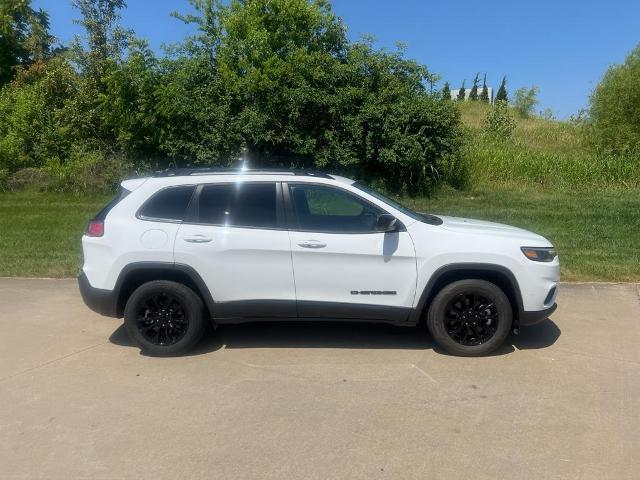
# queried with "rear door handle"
point(197, 238)
point(312, 244)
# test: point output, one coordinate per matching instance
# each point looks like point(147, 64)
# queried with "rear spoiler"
point(134, 183)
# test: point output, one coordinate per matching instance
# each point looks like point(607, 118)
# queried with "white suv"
point(184, 247)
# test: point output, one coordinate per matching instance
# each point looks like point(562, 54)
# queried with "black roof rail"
point(182, 172)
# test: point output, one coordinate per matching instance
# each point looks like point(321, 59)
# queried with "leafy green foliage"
point(615, 106)
point(275, 78)
point(33, 128)
point(24, 37)
point(525, 100)
point(193, 110)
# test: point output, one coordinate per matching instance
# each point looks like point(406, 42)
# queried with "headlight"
point(539, 254)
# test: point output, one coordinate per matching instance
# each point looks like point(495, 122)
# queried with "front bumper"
point(531, 318)
point(104, 302)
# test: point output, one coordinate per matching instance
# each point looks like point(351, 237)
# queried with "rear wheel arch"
point(136, 274)
point(447, 274)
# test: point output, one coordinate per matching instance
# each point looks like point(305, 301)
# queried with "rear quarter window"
point(169, 204)
point(102, 214)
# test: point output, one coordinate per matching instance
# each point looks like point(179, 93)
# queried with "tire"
point(164, 318)
point(470, 318)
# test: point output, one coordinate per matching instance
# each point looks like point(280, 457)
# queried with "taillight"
point(95, 228)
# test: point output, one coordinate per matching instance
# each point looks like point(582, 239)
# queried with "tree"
point(461, 92)
point(474, 90)
point(525, 100)
point(484, 95)
point(290, 87)
point(615, 106)
point(105, 40)
point(98, 54)
point(277, 77)
point(446, 91)
point(25, 38)
point(502, 96)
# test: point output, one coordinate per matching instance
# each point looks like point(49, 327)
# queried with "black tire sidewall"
point(194, 309)
point(435, 317)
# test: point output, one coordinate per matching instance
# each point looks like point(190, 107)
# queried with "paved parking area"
point(318, 401)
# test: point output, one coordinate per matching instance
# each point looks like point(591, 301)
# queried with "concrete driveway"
point(318, 401)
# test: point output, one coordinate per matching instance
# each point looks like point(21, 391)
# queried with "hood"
point(481, 227)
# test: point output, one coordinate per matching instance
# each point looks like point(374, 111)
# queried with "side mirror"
point(386, 223)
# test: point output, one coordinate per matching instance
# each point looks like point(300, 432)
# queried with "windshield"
point(389, 201)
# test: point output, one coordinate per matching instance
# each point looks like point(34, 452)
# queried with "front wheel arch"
point(447, 274)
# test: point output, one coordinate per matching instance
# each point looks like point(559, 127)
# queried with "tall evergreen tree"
point(461, 92)
point(502, 91)
point(484, 95)
point(474, 90)
point(446, 91)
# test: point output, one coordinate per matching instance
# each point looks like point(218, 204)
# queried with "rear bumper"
point(531, 318)
point(104, 302)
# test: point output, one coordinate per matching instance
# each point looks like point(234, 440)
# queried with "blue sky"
point(562, 46)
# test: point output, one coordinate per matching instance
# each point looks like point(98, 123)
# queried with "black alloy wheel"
point(162, 319)
point(471, 319)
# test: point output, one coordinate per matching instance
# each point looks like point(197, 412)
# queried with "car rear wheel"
point(470, 318)
point(164, 318)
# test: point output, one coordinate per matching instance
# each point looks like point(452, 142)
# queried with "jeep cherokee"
point(184, 247)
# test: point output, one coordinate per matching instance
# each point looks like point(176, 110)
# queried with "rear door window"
point(169, 204)
point(239, 205)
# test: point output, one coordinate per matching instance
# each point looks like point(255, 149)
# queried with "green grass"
point(40, 233)
point(597, 234)
point(544, 154)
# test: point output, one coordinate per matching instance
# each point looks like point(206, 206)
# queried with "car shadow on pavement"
point(342, 335)
point(537, 336)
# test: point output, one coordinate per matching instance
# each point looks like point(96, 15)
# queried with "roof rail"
point(183, 172)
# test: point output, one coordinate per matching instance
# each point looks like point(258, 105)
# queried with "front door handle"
point(312, 244)
point(197, 238)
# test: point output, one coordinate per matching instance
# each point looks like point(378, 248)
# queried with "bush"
point(615, 106)
point(525, 101)
point(88, 171)
point(499, 123)
point(29, 178)
point(32, 129)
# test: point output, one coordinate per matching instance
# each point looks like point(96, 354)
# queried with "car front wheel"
point(470, 318)
point(164, 318)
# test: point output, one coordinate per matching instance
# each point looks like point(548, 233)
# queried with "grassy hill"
point(549, 179)
point(543, 154)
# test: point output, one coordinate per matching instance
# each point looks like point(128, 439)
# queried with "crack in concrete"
point(50, 362)
point(433, 380)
